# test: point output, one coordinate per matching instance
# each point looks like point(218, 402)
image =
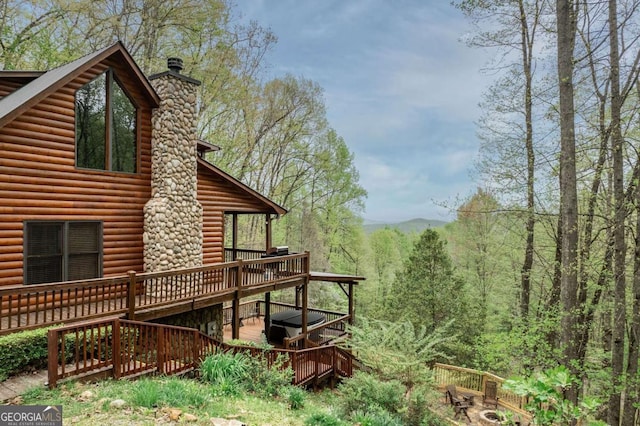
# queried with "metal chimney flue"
point(175, 64)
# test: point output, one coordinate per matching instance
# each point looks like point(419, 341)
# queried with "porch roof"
point(269, 206)
point(335, 278)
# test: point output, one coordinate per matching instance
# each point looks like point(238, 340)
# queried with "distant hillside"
point(409, 226)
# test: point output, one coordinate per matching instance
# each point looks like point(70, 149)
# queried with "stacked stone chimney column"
point(173, 215)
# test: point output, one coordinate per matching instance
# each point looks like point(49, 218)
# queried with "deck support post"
point(305, 306)
point(235, 322)
point(351, 304)
point(268, 232)
point(131, 296)
point(234, 237)
point(267, 314)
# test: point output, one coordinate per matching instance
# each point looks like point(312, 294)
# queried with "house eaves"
point(29, 95)
point(277, 209)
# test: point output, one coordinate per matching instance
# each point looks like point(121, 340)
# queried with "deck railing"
point(120, 348)
point(233, 254)
point(474, 381)
point(309, 365)
point(333, 327)
point(34, 306)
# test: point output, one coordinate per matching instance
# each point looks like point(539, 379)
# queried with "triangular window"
point(105, 126)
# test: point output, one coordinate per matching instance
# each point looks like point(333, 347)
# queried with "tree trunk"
point(568, 191)
point(526, 46)
point(632, 394)
point(619, 311)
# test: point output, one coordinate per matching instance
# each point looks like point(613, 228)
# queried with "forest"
point(541, 266)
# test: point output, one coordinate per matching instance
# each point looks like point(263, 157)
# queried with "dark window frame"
point(65, 253)
point(111, 81)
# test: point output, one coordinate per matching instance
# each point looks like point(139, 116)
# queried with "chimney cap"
point(175, 64)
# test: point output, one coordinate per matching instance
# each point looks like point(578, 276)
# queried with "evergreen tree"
point(428, 293)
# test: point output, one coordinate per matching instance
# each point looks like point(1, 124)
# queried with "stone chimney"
point(173, 215)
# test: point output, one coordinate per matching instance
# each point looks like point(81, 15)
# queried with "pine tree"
point(427, 292)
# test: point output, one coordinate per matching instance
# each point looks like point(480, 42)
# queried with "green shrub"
point(268, 381)
point(146, 393)
point(364, 393)
point(226, 372)
point(176, 392)
point(323, 419)
point(296, 397)
point(376, 417)
point(23, 351)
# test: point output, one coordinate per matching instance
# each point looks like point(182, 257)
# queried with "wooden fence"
point(121, 348)
point(474, 381)
point(34, 306)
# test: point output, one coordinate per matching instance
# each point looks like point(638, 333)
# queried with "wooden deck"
point(146, 296)
point(251, 330)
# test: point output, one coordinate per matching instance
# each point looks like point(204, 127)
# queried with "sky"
point(400, 87)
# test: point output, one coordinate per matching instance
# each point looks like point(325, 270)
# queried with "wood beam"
point(234, 236)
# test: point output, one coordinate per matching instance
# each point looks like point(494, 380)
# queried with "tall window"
point(62, 251)
point(105, 126)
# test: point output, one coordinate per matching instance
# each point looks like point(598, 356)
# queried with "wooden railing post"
point(239, 274)
point(160, 355)
point(196, 347)
point(131, 296)
point(52, 343)
point(116, 355)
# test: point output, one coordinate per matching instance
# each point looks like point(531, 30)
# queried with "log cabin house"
point(108, 207)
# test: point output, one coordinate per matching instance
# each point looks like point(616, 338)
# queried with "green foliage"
point(230, 374)
point(323, 419)
point(25, 350)
point(376, 418)
point(170, 392)
point(365, 394)
point(429, 294)
point(226, 372)
point(296, 397)
point(546, 400)
point(397, 349)
point(268, 381)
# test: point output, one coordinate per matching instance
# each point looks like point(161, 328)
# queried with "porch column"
point(234, 236)
point(351, 303)
point(305, 306)
point(268, 231)
point(235, 321)
point(267, 314)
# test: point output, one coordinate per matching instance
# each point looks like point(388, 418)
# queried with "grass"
point(149, 401)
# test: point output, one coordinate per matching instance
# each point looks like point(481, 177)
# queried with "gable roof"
point(16, 103)
point(276, 209)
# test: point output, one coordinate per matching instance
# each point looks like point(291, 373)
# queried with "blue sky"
point(400, 88)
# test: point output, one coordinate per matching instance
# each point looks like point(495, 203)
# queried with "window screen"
point(62, 251)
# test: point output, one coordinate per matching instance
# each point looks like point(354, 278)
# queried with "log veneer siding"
point(39, 180)
point(218, 197)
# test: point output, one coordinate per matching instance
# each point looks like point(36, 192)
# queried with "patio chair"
point(490, 397)
point(460, 404)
